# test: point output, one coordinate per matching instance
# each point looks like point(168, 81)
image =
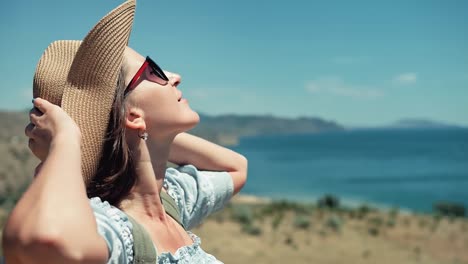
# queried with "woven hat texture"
point(81, 77)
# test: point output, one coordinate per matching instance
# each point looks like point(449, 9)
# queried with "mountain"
point(227, 129)
point(413, 123)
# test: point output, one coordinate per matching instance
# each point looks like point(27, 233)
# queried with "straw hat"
point(81, 77)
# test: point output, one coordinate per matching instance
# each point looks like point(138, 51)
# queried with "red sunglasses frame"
point(154, 69)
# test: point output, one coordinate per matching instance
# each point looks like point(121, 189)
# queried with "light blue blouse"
point(197, 194)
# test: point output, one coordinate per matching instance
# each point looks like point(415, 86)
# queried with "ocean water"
point(408, 169)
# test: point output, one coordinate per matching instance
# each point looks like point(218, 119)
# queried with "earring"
point(143, 135)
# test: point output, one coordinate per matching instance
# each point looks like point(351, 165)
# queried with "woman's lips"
point(179, 97)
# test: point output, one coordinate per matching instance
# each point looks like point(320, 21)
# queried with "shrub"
point(374, 231)
point(376, 221)
point(437, 217)
point(282, 206)
point(288, 240)
point(394, 212)
point(329, 201)
point(251, 229)
point(242, 214)
point(301, 222)
point(422, 223)
point(334, 222)
point(323, 233)
point(277, 220)
point(363, 210)
point(449, 209)
point(391, 222)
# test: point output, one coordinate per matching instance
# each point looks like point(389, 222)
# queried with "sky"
point(359, 63)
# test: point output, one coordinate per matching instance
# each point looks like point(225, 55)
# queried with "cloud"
point(406, 78)
point(337, 87)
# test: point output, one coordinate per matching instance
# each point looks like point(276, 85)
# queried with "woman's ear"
point(134, 119)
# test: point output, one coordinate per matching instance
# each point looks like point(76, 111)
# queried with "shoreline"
point(344, 203)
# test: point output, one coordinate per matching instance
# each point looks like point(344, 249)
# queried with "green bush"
point(329, 201)
point(374, 231)
point(301, 222)
point(422, 223)
point(277, 219)
point(394, 212)
point(363, 210)
point(391, 222)
point(450, 209)
point(289, 240)
point(376, 221)
point(334, 222)
point(242, 214)
point(251, 229)
point(283, 206)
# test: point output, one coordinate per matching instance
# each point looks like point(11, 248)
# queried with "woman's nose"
point(174, 78)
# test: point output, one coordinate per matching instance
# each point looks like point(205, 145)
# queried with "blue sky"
point(360, 63)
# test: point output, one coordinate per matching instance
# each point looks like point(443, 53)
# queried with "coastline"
point(344, 203)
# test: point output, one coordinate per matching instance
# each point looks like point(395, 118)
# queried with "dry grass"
point(423, 240)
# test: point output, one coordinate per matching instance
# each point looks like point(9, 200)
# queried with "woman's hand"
point(49, 124)
point(53, 221)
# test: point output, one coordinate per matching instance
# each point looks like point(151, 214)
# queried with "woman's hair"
point(115, 175)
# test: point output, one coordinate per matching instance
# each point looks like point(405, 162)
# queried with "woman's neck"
point(150, 158)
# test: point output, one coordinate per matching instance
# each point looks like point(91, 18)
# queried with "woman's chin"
point(194, 120)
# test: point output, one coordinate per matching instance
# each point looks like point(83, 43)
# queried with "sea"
point(409, 169)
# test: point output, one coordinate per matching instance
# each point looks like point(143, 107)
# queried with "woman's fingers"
point(42, 104)
point(28, 130)
point(31, 143)
point(34, 114)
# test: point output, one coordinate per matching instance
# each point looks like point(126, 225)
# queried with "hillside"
point(411, 123)
point(227, 129)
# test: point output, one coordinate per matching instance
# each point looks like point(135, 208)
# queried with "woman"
point(118, 139)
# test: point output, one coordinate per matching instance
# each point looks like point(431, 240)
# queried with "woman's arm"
point(53, 221)
point(189, 149)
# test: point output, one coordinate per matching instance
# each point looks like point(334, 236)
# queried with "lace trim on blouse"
point(184, 252)
point(124, 227)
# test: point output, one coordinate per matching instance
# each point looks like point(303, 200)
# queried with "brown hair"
point(115, 175)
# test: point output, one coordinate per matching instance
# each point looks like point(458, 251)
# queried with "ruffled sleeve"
point(197, 193)
point(115, 228)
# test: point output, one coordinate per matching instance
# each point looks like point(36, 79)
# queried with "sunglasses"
point(161, 78)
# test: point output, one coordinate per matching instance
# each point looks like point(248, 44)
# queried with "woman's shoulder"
point(114, 225)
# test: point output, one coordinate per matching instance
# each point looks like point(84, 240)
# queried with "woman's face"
point(162, 107)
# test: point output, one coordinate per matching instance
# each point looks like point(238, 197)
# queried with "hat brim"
point(81, 77)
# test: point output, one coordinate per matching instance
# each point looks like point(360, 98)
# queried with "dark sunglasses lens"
point(156, 69)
